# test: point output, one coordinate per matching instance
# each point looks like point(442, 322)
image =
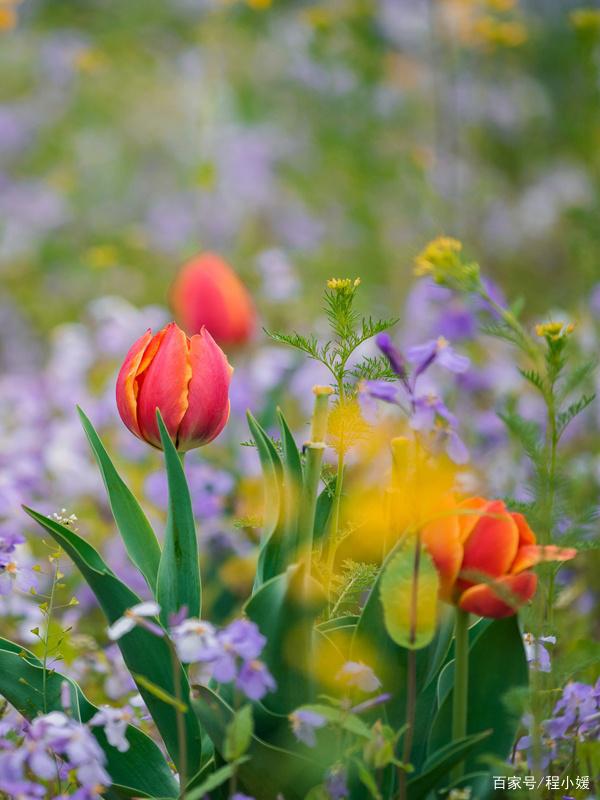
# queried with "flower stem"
point(312, 474)
point(461, 682)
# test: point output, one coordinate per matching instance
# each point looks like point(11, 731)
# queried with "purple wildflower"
point(439, 351)
point(47, 737)
point(372, 702)
point(240, 639)
point(336, 783)
point(255, 680)
point(538, 656)
point(304, 724)
point(393, 355)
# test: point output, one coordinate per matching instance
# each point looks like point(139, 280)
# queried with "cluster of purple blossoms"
point(227, 655)
point(54, 748)
point(427, 412)
point(576, 718)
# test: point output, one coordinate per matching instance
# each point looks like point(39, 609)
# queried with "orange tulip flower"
point(207, 293)
point(187, 379)
point(484, 557)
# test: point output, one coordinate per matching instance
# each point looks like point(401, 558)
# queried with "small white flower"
point(196, 640)
point(136, 615)
point(115, 722)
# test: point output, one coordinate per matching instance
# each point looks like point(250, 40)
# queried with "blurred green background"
point(336, 136)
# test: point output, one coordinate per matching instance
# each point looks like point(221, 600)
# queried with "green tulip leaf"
point(285, 609)
point(439, 765)
point(137, 534)
point(293, 482)
point(178, 584)
point(141, 771)
point(271, 556)
point(144, 653)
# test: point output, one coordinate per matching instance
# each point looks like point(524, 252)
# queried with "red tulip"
point(207, 293)
point(484, 557)
point(187, 379)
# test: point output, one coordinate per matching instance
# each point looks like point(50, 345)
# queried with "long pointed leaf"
point(293, 481)
point(137, 534)
point(179, 571)
point(285, 609)
point(440, 764)
point(272, 534)
point(143, 652)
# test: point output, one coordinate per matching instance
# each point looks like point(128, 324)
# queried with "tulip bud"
point(207, 293)
point(186, 379)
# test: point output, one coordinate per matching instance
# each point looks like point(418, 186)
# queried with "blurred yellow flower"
point(586, 20)
point(259, 5)
point(494, 32)
point(554, 330)
point(346, 426)
point(102, 256)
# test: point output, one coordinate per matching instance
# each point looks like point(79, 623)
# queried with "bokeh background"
point(299, 139)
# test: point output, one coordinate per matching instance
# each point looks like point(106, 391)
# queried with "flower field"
point(299, 472)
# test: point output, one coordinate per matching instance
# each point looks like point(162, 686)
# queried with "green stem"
point(49, 612)
point(308, 506)
point(461, 682)
point(332, 538)
point(509, 318)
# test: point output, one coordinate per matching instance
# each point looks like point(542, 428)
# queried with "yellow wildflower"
point(553, 331)
point(442, 259)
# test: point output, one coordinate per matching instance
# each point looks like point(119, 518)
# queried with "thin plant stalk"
point(461, 682)
point(312, 474)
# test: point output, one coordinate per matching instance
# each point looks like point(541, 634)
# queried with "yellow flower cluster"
point(554, 330)
point(442, 259)
point(343, 284)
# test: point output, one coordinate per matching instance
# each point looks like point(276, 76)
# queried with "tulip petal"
point(502, 598)
point(208, 393)
point(127, 387)
point(492, 545)
point(164, 385)
point(441, 538)
point(526, 535)
point(532, 554)
point(467, 521)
